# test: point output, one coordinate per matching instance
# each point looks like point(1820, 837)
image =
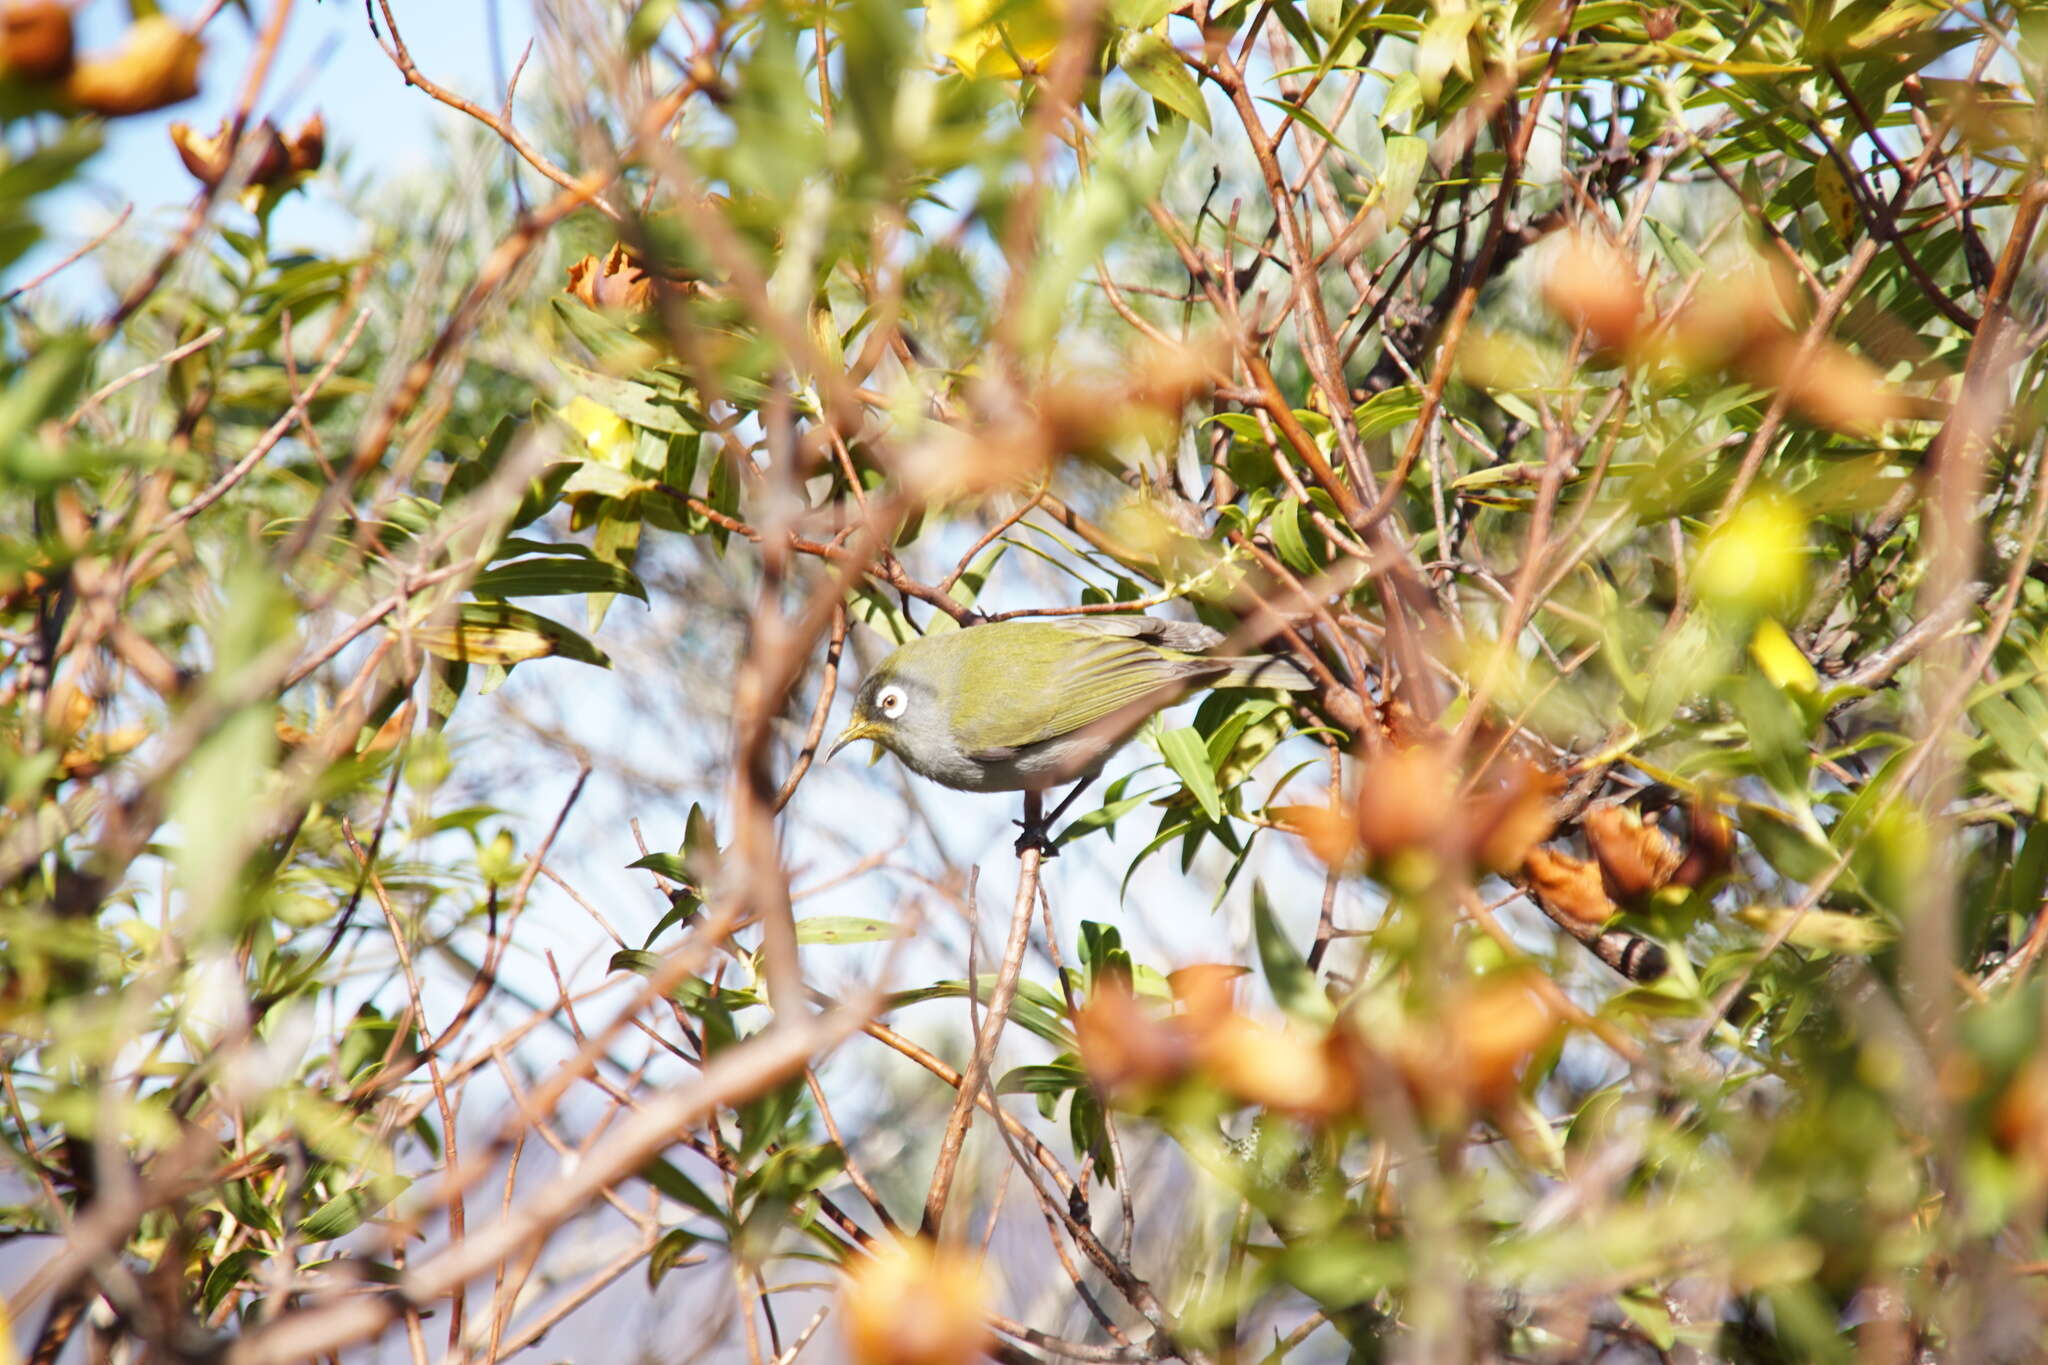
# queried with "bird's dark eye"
point(891, 702)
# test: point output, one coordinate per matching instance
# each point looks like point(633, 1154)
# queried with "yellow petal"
point(1781, 660)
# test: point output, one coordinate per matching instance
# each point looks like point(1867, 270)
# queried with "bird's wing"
point(1189, 637)
point(1087, 675)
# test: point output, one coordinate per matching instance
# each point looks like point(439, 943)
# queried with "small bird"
point(1030, 705)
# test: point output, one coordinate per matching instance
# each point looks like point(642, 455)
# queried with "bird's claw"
point(1035, 836)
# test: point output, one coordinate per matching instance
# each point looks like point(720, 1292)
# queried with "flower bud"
point(157, 65)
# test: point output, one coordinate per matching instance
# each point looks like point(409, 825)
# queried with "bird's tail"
point(1263, 670)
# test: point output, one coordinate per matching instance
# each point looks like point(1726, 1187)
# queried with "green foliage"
point(1630, 417)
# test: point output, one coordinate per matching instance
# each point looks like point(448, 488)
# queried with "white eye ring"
point(892, 701)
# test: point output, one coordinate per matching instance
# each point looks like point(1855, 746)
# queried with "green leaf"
point(641, 32)
point(366, 1043)
point(1404, 98)
point(43, 387)
point(792, 1173)
point(1295, 988)
point(673, 1246)
point(1406, 155)
point(1036, 1010)
point(845, 929)
point(1827, 931)
point(1054, 1079)
point(1290, 538)
point(1187, 753)
point(227, 1275)
point(1103, 817)
point(1301, 115)
point(700, 846)
point(496, 633)
point(1385, 411)
point(682, 908)
point(669, 865)
point(1140, 13)
point(239, 1198)
point(556, 577)
point(1155, 66)
point(663, 1175)
point(769, 1117)
point(350, 1209)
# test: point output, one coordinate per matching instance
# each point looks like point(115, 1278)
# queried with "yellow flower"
point(1755, 562)
point(987, 38)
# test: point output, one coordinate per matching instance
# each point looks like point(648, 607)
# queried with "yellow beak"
point(860, 729)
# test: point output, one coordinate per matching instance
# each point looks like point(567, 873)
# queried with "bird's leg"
point(1043, 830)
point(1034, 827)
point(1068, 800)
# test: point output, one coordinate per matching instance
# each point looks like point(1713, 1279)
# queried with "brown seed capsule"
point(1509, 813)
point(1405, 797)
point(1279, 1068)
point(912, 1303)
point(308, 146)
point(35, 40)
point(1472, 1054)
point(1125, 1047)
point(618, 281)
point(1592, 284)
point(1710, 838)
point(157, 65)
point(1660, 24)
point(210, 156)
point(1497, 1026)
point(1636, 860)
point(2019, 1121)
point(1833, 387)
point(1571, 886)
point(1330, 834)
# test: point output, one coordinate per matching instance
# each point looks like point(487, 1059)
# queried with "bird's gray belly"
point(1031, 767)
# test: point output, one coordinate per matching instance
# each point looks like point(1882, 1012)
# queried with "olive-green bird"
point(1029, 705)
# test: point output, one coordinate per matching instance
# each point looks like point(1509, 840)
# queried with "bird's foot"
point(1036, 836)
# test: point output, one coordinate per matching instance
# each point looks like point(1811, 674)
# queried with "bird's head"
point(892, 708)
